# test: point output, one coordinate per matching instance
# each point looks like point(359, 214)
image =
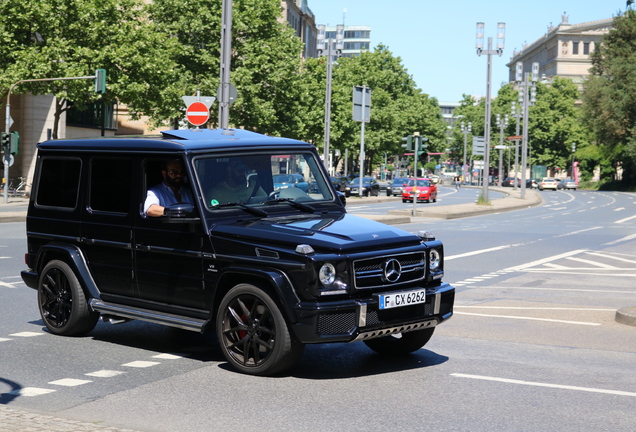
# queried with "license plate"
point(402, 298)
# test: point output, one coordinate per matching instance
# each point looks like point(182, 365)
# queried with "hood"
point(341, 232)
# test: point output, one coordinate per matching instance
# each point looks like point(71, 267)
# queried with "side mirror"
point(343, 198)
point(179, 213)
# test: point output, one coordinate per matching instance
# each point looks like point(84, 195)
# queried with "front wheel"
point(62, 301)
point(401, 343)
point(253, 334)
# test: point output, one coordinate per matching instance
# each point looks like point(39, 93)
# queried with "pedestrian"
point(458, 182)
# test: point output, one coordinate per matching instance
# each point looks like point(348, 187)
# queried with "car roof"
point(191, 140)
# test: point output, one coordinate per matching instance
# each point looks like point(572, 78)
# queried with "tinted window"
point(59, 182)
point(110, 184)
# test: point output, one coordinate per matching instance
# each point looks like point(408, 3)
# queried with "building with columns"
point(563, 51)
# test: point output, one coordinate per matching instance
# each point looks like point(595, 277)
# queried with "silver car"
point(396, 186)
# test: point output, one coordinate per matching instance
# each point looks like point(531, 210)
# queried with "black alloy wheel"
point(62, 302)
point(253, 334)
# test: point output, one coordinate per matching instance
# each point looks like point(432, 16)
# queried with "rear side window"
point(59, 182)
point(111, 181)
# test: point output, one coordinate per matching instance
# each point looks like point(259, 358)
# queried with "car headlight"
point(327, 274)
point(434, 260)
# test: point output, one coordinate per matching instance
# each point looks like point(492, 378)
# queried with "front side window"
point(260, 179)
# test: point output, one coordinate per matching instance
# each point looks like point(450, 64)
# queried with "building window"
point(575, 48)
point(330, 35)
point(356, 45)
point(586, 47)
point(357, 34)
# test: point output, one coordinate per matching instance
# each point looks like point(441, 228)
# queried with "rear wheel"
point(401, 343)
point(62, 302)
point(253, 334)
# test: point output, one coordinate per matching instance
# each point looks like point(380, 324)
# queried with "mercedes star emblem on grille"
point(392, 270)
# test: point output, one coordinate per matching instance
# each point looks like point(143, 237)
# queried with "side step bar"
point(179, 321)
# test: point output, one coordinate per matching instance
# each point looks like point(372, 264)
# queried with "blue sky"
point(436, 39)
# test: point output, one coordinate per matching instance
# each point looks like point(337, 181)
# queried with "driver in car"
point(236, 188)
point(171, 190)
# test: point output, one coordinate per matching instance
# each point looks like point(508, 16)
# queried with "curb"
point(626, 316)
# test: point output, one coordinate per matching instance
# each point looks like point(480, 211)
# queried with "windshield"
point(420, 183)
point(254, 179)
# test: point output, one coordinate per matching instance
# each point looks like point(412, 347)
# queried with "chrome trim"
point(362, 315)
point(394, 330)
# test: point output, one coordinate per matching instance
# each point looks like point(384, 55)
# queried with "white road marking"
point(577, 232)
point(141, 364)
point(167, 356)
point(105, 373)
point(547, 260)
point(477, 252)
point(614, 257)
point(30, 391)
point(536, 308)
point(594, 263)
point(70, 382)
point(626, 219)
point(629, 237)
point(558, 289)
point(26, 334)
point(528, 318)
point(4, 339)
point(538, 384)
point(619, 209)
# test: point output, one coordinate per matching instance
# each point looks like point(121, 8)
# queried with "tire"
point(388, 193)
point(253, 334)
point(62, 302)
point(401, 343)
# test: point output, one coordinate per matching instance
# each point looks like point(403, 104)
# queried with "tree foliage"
point(609, 98)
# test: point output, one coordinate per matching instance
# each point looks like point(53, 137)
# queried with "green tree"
point(62, 38)
point(398, 107)
point(265, 63)
point(608, 100)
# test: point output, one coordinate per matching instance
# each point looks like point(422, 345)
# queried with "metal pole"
point(524, 142)
point(487, 124)
point(364, 92)
point(226, 49)
point(416, 148)
point(328, 108)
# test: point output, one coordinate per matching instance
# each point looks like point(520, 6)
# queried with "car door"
point(106, 228)
point(167, 255)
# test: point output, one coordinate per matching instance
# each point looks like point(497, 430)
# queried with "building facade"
point(563, 51)
point(302, 20)
point(356, 38)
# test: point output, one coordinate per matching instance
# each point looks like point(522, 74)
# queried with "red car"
point(425, 190)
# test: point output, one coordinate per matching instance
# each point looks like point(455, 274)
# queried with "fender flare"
point(74, 258)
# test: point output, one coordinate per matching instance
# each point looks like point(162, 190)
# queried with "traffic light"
point(423, 157)
point(408, 142)
point(100, 81)
point(14, 141)
point(5, 141)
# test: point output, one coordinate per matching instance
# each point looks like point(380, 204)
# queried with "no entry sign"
point(197, 113)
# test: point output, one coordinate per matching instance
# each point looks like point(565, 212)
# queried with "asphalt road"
point(533, 345)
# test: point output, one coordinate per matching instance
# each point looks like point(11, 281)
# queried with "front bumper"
point(359, 319)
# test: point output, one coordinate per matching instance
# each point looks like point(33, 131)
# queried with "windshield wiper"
point(298, 205)
point(253, 210)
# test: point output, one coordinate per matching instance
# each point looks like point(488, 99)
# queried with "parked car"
point(267, 274)
point(396, 186)
point(532, 183)
point(425, 191)
point(548, 183)
point(284, 181)
point(510, 182)
point(370, 187)
point(340, 183)
point(567, 184)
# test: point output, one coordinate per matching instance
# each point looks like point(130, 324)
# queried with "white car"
point(548, 183)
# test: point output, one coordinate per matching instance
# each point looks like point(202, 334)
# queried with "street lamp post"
point(326, 47)
point(527, 95)
point(501, 123)
point(465, 130)
point(517, 116)
point(479, 44)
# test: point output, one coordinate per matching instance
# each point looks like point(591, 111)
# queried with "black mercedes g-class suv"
point(282, 268)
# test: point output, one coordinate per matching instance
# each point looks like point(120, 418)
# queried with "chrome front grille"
point(371, 272)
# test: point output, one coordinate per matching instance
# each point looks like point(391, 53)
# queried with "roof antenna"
point(344, 11)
